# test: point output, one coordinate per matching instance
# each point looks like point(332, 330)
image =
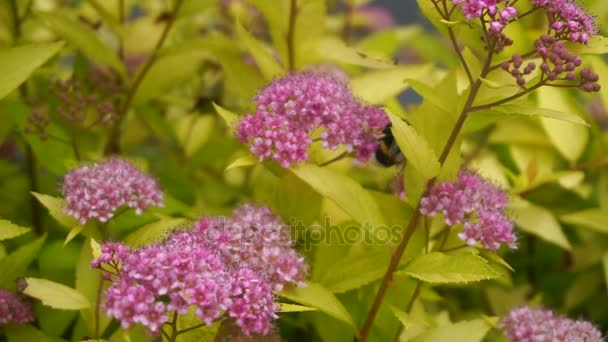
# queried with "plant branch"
point(508, 99)
point(291, 32)
point(463, 61)
point(98, 306)
point(411, 227)
point(191, 328)
point(113, 143)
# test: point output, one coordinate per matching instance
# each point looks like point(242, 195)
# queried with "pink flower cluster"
point(13, 309)
point(525, 324)
point(290, 109)
point(96, 191)
point(220, 275)
point(499, 12)
point(568, 20)
point(476, 203)
point(258, 238)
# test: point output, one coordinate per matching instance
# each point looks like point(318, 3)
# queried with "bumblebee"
point(388, 152)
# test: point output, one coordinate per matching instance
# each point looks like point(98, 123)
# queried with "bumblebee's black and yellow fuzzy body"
point(388, 152)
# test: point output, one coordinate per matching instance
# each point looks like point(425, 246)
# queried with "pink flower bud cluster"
point(525, 324)
point(477, 204)
point(202, 269)
point(558, 64)
point(290, 109)
point(96, 191)
point(13, 309)
point(256, 237)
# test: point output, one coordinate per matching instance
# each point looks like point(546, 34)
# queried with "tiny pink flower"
point(96, 191)
point(13, 309)
point(478, 205)
point(525, 324)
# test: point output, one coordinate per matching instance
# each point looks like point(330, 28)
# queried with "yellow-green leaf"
point(17, 63)
point(354, 271)
point(9, 230)
point(343, 190)
point(596, 219)
point(517, 109)
point(193, 131)
point(263, 57)
point(284, 307)
point(333, 49)
point(540, 222)
point(55, 206)
point(55, 295)
point(15, 264)
point(415, 148)
point(244, 161)
point(465, 331)
point(153, 232)
point(82, 38)
point(317, 296)
point(598, 45)
point(25, 332)
point(231, 119)
point(440, 268)
point(570, 140)
point(378, 86)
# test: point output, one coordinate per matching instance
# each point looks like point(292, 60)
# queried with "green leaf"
point(167, 71)
point(24, 332)
point(276, 14)
point(440, 268)
point(464, 331)
point(334, 50)
point(231, 119)
point(598, 45)
point(509, 109)
point(17, 63)
point(355, 271)
point(317, 296)
point(82, 38)
point(244, 161)
point(540, 222)
point(596, 219)
point(55, 206)
point(570, 140)
point(429, 94)
point(153, 232)
point(9, 230)
point(407, 321)
point(88, 281)
point(202, 334)
point(343, 190)
point(605, 264)
point(378, 86)
point(284, 307)
point(15, 264)
point(193, 131)
point(415, 148)
point(264, 59)
point(585, 285)
point(55, 295)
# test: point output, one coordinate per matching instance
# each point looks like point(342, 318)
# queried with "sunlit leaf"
point(263, 57)
point(377, 87)
point(82, 38)
point(16, 263)
point(415, 148)
point(17, 63)
point(470, 331)
point(284, 307)
point(440, 268)
point(343, 190)
point(354, 271)
point(55, 295)
point(596, 219)
point(540, 222)
point(317, 296)
point(154, 232)
point(9, 230)
point(244, 161)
